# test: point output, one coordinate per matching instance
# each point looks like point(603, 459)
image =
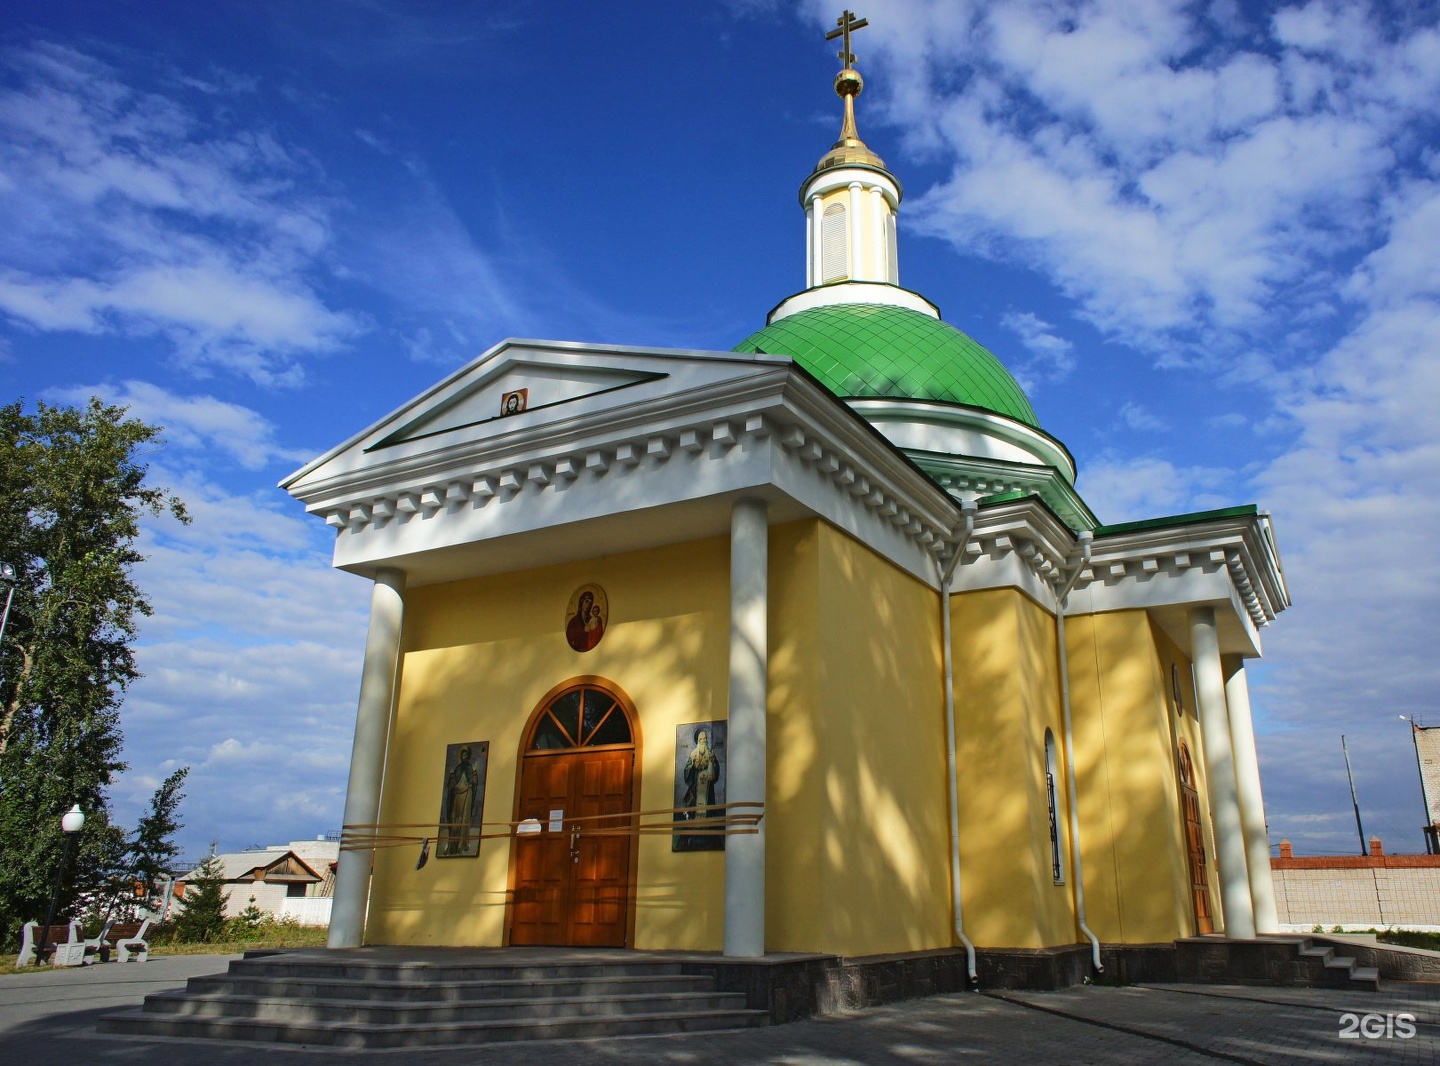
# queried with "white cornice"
point(852, 292)
point(933, 426)
point(662, 461)
point(763, 427)
point(1228, 562)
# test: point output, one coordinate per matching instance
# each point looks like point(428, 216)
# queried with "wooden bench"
point(127, 940)
point(38, 945)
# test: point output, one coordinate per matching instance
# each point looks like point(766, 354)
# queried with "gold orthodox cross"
point(847, 23)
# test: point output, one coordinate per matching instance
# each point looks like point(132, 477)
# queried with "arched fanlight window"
point(1057, 868)
point(582, 717)
point(833, 252)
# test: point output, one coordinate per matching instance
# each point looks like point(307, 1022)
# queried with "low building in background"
point(294, 880)
point(1375, 891)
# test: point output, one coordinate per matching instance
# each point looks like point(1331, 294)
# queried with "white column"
point(857, 227)
point(367, 757)
point(817, 244)
point(1220, 775)
point(1252, 802)
point(749, 606)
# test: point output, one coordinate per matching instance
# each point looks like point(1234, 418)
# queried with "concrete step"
point(1394, 963)
point(298, 965)
point(444, 991)
point(1271, 960)
point(1339, 971)
point(1365, 978)
point(356, 1035)
point(302, 1010)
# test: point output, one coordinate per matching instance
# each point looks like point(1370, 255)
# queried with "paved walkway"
point(49, 1017)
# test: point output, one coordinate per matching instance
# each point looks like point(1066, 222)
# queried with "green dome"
point(862, 351)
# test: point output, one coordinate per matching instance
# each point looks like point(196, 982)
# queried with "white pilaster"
point(857, 230)
point(1239, 918)
point(817, 257)
point(810, 243)
point(1252, 802)
point(367, 757)
point(749, 606)
point(876, 222)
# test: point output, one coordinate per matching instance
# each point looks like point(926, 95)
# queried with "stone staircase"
point(360, 1000)
point(1295, 961)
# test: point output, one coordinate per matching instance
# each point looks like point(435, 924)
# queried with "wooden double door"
point(1195, 844)
point(573, 880)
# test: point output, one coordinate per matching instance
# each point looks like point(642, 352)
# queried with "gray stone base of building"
point(802, 987)
point(793, 988)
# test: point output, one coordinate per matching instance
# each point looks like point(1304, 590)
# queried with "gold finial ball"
point(849, 83)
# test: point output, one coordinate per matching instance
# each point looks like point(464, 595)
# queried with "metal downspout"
point(1084, 538)
point(967, 510)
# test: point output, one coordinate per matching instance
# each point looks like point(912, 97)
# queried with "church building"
point(807, 646)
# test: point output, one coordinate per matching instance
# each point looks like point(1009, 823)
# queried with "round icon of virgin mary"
point(585, 617)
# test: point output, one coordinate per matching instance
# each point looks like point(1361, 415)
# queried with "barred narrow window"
point(1057, 869)
point(833, 266)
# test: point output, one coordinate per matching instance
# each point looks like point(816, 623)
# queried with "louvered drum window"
point(832, 245)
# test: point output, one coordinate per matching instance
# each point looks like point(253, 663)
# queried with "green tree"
point(202, 914)
point(153, 849)
point(72, 493)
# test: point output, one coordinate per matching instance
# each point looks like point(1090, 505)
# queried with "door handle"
point(575, 844)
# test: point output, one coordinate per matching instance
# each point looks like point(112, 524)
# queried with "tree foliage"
point(153, 849)
point(72, 493)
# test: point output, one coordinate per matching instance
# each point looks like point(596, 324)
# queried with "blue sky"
point(1202, 235)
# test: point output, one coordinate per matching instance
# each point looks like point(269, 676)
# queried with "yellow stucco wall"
point(857, 826)
point(1136, 868)
point(479, 656)
point(856, 857)
point(1006, 696)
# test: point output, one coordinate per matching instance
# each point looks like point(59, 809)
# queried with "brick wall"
point(1372, 890)
point(1427, 750)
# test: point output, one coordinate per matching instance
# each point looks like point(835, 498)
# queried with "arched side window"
point(833, 265)
point(1057, 868)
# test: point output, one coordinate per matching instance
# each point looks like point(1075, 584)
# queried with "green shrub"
point(1409, 939)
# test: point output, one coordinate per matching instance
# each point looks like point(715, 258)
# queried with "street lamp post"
point(72, 822)
point(1424, 795)
point(1364, 847)
point(7, 578)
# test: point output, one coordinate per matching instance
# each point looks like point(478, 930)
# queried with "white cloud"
point(1136, 416)
point(1124, 490)
point(1167, 182)
point(1051, 356)
point(132, 213)
point(193, 422)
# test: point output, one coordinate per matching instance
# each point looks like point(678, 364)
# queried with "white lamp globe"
point(72, 821)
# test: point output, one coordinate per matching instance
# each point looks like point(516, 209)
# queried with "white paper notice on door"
point(557, 821)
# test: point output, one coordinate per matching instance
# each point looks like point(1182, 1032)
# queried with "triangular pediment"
point(521, 393)
point(517, 386)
